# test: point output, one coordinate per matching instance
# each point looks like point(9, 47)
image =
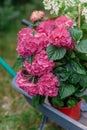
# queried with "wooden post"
point(79, 15)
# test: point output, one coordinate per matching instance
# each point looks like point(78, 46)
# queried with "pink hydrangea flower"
point(43, 41)
point(27, 44)
point(48, 85)
point(46, 26)
point(36, 15)
point(40, 65)
point(25, 32)
point(61, 37)
point(22, 82)
point(64, 21)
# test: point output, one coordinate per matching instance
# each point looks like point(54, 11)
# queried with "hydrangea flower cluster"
point(24, 83)
point(36, 77)
point(36, 15)
point(40, 65)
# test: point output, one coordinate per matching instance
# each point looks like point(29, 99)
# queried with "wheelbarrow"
point(47, 111)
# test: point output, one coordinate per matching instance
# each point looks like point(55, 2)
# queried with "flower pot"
point(73, 112)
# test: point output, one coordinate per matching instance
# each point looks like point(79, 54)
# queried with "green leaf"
point(74, 79)
point(83, 81)
point(19, 62)
point(66, 90)
point(84, 26)
point(30, 59)
point(38, 100)
point(57, 102)
point(76, 33)
point(62, 73)
point(85, 97)
point(79, 93)
point(55, 53)
point(35, 23)
point(77, 67)
point(82, 56)
point(71, 102)
point(82, 46)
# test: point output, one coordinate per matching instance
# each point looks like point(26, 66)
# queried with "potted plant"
point(53, 55)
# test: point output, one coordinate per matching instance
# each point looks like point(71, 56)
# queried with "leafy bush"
point(7, 14)
point(20, 2)
point(15, 2)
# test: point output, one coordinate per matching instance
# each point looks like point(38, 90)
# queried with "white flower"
point(83, 1)
point(66, 7)
point(70, 2)
point(47, 4)
point(51, 5)
point(55, 5)
point(84, 13)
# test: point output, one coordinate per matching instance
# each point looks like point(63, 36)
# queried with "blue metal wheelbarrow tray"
point(49, 112)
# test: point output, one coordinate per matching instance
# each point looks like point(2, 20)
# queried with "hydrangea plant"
point(52, 55)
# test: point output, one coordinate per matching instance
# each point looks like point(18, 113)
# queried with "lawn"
point(15, 112)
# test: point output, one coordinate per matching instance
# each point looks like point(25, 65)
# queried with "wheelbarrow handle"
point(7, 67)
point(25, 22)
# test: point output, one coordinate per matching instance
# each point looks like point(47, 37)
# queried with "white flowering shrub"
point(67, 7)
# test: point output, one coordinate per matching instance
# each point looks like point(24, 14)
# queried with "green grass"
point(15, 112)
